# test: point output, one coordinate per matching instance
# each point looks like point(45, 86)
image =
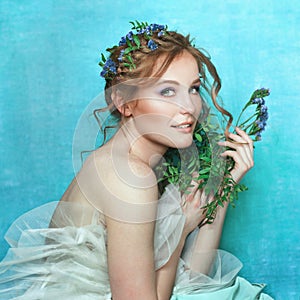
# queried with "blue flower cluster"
point(132, 41)
point(152, 45)
point(148, 31)
point(262, 115)
point(109, 68)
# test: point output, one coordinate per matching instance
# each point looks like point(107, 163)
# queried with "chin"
point(183, 143)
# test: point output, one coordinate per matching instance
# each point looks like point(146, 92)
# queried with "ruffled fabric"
point(65, 257)
point(67, 262)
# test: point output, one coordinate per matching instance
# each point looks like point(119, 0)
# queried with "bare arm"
point(130, 260)
point(131, 254)
point(130, 234)
point(193, 216)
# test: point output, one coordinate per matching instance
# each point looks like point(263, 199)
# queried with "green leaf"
point(128, 44)
point(133, 24)
point(129, 58)
point(204, 171)
point(198, 137)
point(127, 50)
point(206, 159)
point(170, 170)
point(137, 41)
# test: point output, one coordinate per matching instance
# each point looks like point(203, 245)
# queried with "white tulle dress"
point(66, 258)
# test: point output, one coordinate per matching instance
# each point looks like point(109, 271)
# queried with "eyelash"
point(166, 91)
point(196, 88)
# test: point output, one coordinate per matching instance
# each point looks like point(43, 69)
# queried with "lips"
point(183, 126)
point(186, 127)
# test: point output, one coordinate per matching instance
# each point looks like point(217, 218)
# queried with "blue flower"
point(155, 27)
point(260, 101)
point(147, 30)
point(161, 33)
point(263, 109)
point(113, 69)
point(120, 58)
point(142, 31)
point(109, 67)
point(152, 45)
point(122, 41)
point(260, 124)
point(103, 73)
point(129, 35)
point(110, 63)
point(264, 117)
point(258, 135)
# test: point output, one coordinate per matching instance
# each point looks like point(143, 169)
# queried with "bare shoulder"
point(124, 188)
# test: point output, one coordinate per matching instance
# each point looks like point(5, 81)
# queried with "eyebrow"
point(176, 82)
point(196, 81)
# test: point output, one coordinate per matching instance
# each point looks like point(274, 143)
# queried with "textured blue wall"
point(48, 71)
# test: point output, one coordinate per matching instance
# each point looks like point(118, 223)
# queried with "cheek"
point(152, 124)
point(198, 106)
point(158, 107)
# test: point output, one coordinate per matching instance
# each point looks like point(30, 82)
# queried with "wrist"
point(185, 233)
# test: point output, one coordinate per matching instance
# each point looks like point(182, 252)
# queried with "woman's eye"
point(195, 90)
point(168, 92)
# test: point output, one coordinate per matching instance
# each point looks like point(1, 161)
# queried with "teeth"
point(184, 126)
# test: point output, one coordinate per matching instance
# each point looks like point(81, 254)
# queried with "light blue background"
point(49, 73)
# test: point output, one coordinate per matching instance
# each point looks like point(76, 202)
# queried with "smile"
point(183, 126)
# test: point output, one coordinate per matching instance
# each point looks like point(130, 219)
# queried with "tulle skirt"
point(65, 258)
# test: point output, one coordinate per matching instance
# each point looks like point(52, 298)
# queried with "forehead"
point(183, 68)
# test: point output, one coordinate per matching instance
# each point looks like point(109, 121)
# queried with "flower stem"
point(240, 125)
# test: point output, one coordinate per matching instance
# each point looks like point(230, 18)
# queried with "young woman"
point(113, 235)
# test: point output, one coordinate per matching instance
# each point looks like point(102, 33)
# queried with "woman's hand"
point(242, 153)
point(191, 204)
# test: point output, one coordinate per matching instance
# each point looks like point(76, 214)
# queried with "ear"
point(120, 103)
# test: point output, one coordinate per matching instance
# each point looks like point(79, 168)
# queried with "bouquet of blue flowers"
point(179, 166)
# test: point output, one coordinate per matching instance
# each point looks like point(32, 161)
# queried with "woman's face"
point(166, 111)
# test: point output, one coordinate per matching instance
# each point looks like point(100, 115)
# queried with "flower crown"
point(130, 43)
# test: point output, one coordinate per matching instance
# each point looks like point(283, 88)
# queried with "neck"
point(131, 142)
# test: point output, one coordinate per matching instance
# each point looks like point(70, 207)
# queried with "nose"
point(188, 104)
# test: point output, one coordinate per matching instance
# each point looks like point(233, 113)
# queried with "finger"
point(198, 198)
point(243, 149)
point(245, 137)
point(241, 146)
point(240, 140)
point(193, 188)
point(202, 199)
point(242, 161)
